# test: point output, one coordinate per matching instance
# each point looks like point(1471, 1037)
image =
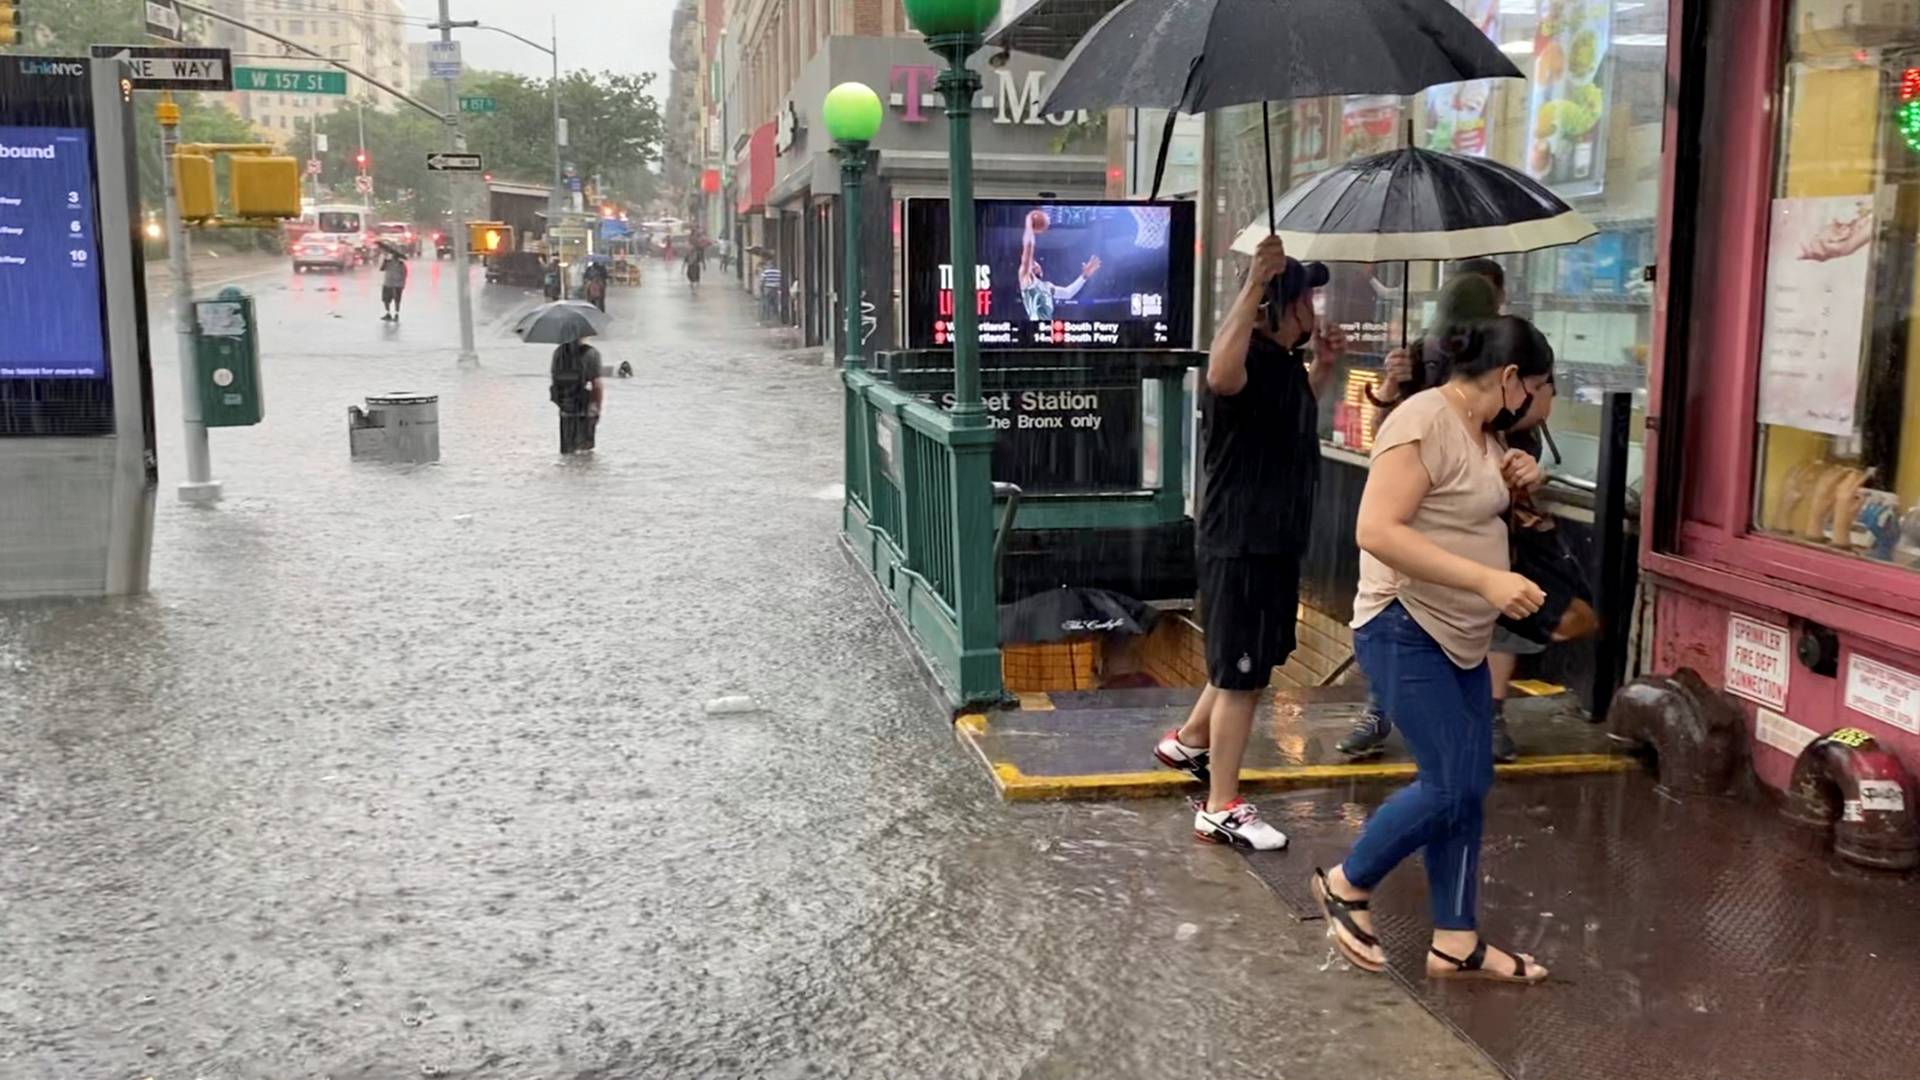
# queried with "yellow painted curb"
point(1537, 688)
point(1017, 786)
point(971, 724)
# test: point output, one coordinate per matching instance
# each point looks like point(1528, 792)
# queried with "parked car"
point(316, 250)
point(401, 235)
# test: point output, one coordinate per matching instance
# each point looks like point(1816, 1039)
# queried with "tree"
point(614, 127)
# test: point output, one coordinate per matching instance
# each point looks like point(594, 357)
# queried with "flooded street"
point(408, 772)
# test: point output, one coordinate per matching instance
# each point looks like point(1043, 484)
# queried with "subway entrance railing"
point(1107, 458)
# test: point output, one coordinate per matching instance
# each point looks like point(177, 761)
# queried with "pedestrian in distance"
point(694, 266)
point(771, 291)
point(393, 285)
point(551, 280)
point(1434, 577)
point(1261, 452)
point(596, 285)
point(577, 388)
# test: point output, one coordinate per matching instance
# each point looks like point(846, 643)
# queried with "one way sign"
point(170, 67)
point(453, 162)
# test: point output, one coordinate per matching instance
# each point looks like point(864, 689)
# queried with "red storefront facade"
point(1781, 519)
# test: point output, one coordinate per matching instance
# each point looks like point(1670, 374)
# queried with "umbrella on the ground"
point(1058, 614)
point(560, 322)
point(1414, 205)
point(1199, 55)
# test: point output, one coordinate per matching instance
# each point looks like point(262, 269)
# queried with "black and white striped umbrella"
point(1414, 205)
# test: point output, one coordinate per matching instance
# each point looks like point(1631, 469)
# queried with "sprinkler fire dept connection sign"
point(1759, 661)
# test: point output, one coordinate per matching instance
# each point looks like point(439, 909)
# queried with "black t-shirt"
point(1261, 452)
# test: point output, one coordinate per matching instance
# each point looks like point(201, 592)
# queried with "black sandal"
point(1339, 915)
point(1473, 967)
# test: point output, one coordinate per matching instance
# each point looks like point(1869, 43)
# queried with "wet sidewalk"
point(406, 771)
point(1099, 744)
point(1689, 939)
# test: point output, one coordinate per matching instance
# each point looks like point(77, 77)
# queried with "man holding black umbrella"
point(1261, 449)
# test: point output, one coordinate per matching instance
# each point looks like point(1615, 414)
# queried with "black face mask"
point(1506, 418)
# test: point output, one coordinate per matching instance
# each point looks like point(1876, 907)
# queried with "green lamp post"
point(852, 113)
point(954, 29)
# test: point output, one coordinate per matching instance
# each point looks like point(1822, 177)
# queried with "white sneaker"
point(1175, 754)
point(1239, 825)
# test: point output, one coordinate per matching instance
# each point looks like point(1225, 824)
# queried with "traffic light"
point(486, 178)
point(489, 237)
point(10, 32)
point(360, 159)
point(193, 175)
point(265, 187)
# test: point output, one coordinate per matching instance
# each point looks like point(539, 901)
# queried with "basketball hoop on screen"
point(1150, 226)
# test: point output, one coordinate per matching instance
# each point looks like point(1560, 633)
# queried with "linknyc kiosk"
point(77, 466)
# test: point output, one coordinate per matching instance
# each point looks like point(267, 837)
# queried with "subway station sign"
point(1065, 440)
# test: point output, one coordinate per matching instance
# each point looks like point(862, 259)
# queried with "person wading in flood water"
point(1261, 449)
point(1434, 577)
point(578, 390)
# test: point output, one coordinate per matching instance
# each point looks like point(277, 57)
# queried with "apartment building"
point(368, 34)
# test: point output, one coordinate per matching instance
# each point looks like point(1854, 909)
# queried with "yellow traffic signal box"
point(194, 175)
point(265, 187)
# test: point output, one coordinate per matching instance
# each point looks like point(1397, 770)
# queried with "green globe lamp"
point(852, 114)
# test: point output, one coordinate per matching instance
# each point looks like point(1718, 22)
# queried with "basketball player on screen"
point(1036, 292)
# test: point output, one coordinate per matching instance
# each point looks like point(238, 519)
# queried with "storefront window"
point(1586, 122)
point(1839, 395)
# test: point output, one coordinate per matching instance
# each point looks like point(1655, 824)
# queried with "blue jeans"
point(1445, 714)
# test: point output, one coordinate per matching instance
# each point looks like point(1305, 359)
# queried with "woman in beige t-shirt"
point(1433, 578)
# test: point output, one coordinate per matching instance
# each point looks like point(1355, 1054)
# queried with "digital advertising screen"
point(49, 256)
point(1056, 275)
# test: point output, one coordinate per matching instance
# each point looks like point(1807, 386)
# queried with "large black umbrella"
point(1199, 55)
point(1414, 205)
point(560, 322)
point(1059, 614)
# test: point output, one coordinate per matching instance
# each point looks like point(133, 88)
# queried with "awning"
point(1051, 28)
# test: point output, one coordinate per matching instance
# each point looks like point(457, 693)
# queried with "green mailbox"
point(226, 354)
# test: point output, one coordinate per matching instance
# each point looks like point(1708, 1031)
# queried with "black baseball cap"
point(1299, 277)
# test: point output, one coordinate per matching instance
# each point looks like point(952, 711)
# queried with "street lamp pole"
point(852, 113)
point(462, 273)
point(553, 93)
point(954, 30)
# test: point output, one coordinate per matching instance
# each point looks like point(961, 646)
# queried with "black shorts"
point(390, 294)
point(1248, 604)
point(1544, 559)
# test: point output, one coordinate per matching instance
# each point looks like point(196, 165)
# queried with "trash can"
point(226, 358)
point(399, 427)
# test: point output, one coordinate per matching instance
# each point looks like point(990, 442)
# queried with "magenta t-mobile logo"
point(919, 81)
